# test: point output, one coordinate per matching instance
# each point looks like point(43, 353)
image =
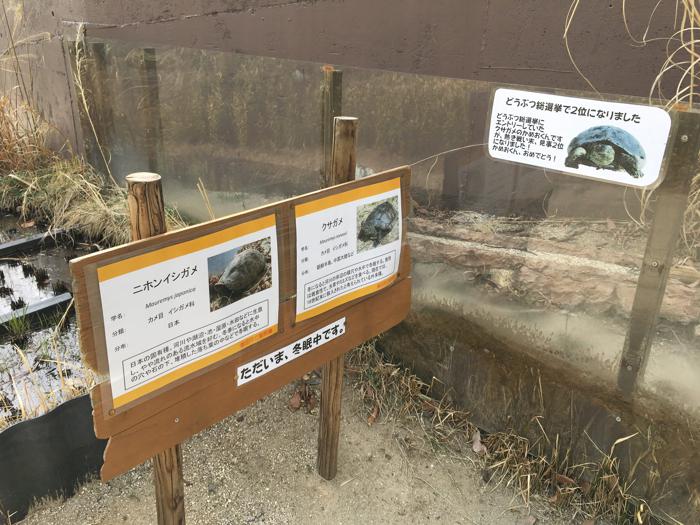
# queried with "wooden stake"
point(147, 218)
point(170, 488)
point(343, 157)
point(342, 169)
point(329, 418)
point(152, 125)
point(331, 104)
point(146, 206)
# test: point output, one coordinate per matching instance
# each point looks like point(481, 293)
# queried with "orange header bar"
point(144, 260)
point(347, 196)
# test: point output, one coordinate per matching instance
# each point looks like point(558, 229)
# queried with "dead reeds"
point(65, 194)
point(32, 394)
point(392, 391)
point(543, 467)
point(68, 195)
point(22, 147)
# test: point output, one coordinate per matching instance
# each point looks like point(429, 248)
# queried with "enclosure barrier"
point(47, 457)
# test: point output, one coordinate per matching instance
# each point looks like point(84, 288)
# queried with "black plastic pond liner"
point(48, 456)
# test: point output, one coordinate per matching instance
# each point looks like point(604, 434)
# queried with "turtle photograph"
point(238, 273)
point(607, 148)
point(377, 223)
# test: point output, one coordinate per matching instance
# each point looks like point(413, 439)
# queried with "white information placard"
point(348, 246)
point(170, 312)
point(609, 141)
point(267, 363)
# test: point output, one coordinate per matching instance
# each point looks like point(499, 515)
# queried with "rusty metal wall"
point(513, 41)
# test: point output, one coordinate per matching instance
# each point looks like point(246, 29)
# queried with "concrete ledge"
point(26, 244)
point(33, 310)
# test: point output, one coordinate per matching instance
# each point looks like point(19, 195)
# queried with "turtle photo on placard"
point(238, 273)
point(377, 223)
point(607, 148)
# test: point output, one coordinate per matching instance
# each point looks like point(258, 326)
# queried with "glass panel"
point(543, 261)
point(546, 261)
point(248, 128)
point(524, 279)
point(673, 368)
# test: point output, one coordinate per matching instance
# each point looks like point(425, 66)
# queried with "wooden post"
point(147, 218)
point(671, 202)
point(146, 205)
point(151, 111)
point(343, 157)
point(102, 114)
point(342, 169)
point(170, 486)
point(331, 104)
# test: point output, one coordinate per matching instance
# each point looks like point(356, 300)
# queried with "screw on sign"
point(171, 372)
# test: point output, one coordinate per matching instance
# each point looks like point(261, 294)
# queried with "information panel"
point(170, 312)
point(348, 245)
point(609, 141)
point(186, 327)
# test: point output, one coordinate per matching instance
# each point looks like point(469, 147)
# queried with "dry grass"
point(22, 146)
point(64, 193)
point(681, 67)
point(595, 490)
point(690, 234)
point(69, 195)
point(5, 515)
point(392, 391)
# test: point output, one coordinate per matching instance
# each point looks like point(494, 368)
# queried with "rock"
point(501, 277)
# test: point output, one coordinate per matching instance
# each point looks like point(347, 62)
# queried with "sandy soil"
point(258, 466)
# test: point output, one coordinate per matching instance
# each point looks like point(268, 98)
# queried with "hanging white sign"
point(269, 362)
point(609, 141)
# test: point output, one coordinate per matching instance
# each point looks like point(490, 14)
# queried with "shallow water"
point(39, 373)
point(39, 364)
point(19, 286)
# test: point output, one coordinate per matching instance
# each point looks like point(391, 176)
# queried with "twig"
point(205, 197)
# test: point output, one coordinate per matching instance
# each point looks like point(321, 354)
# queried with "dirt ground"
point(258, 466)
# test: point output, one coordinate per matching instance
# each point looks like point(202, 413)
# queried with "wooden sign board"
point(187, 327)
